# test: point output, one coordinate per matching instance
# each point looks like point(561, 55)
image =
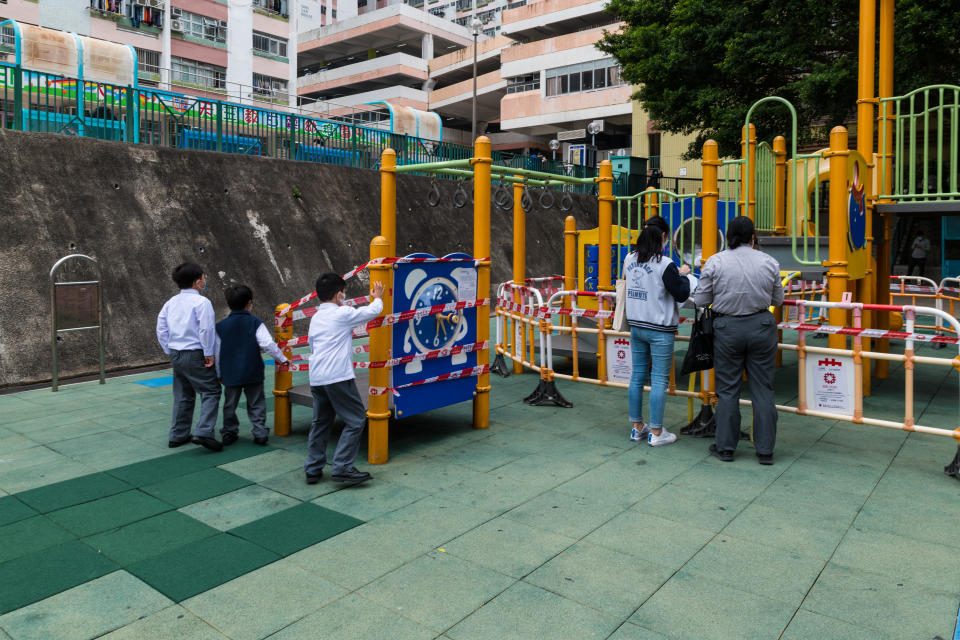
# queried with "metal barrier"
point(538, 316)
point(75, 306)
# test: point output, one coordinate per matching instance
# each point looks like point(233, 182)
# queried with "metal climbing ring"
point(502, 195)
point(566, 200)
point(433, 198)
point(526, 200)
point(546, 196)
point(460, 196)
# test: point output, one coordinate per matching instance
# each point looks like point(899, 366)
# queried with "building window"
point(268, 86)
point(333, 14)
point(270, 44)
point(198, 73)
point(276, 6)
point(519, 84)
point(7, 38)
point(202, 27)
point(148, 61)
point(361, 3)
point(588, 76)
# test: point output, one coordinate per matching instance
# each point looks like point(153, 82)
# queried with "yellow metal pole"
point(865, 101)
point(519, 257)
point(837, 263)
point(388, 200)
point(710, 225)
point(882, 367)
point(605, 206)
point(652, 202)
point(282, 380)
point(482, 161)
point(570, 281)
point(748, 150)
point(378, 412)
point(780, 186)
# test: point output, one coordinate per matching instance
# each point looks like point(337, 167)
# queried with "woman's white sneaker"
point(665, 437)
point(639, 435)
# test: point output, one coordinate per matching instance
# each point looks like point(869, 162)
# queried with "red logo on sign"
point(829, 378)
point(830, 362)
point(621, 355)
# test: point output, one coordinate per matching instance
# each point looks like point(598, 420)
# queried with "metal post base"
point(500, 367)
point(953, 469)
point(705, 425)
point(546, 393)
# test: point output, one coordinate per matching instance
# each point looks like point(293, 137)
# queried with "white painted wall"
point(240, 49)
point(309, 15)
point(296, 15)
point(66, 15)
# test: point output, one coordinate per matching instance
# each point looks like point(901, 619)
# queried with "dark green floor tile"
point(185, 572)
point(195, 487)
point(150, 537)
point(42, 574)
point(196, 459)
point(296, 528)
point(27, 536)
point(108, 513)
point(12, 510)
point(140, 474)
point(71, 492)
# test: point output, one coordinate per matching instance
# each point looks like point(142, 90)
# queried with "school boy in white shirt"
point(186, 332)
point(332, 381)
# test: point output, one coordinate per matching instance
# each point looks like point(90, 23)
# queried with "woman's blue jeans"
point(653, 351)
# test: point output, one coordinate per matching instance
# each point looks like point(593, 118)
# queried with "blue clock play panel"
point(423, 285)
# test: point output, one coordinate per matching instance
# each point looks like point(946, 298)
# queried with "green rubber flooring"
point(550, 524)
point(64, 534)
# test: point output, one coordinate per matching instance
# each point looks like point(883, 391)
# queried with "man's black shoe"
point(229, 438)
point(209, 443)
point(765, 458)
point(353, 476)
point(314, 479)
point(173, 444)
point(260, 441)
point(726, 456)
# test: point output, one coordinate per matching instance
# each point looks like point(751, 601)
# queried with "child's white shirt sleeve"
point(163, 330)
point(267, 344)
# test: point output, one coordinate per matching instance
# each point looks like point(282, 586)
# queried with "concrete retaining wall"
point(142, 210)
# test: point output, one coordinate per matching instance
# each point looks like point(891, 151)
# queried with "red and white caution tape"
point(868, 333)
point(462, 373)
point(309, 312)
point(413, 314)
point(349, 274)
point(429, 355)
point(296, 341)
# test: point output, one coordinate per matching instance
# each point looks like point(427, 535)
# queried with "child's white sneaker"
point(639, 435)
point(665, 437)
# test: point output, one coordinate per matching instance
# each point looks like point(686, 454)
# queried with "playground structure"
point(781, 193)
point(430, 346)
point(836, 284)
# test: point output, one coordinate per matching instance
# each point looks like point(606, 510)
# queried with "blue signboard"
point(423, 285)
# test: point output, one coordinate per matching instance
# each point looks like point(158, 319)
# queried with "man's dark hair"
point(329, 285)
point(186, 274)
point(739, 231)
point(238, 296)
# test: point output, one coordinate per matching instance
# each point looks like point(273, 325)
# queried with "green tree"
point(700, 64)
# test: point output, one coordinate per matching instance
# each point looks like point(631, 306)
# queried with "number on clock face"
point(438, 330)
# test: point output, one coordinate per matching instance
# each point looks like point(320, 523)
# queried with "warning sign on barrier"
point(619, 360)
point(830, 383)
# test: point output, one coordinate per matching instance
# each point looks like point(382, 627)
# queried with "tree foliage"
point(700, 64)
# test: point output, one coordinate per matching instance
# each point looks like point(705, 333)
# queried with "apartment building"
point(240, 50)
point(376, 55)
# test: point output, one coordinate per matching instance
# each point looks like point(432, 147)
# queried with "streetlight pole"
point(475, 25)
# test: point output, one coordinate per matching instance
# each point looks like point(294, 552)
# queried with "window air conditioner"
point(176, 25)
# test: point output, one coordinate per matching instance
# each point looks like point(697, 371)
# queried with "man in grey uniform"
point(742, 283)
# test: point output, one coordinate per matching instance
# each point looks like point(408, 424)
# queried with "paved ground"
point(550, 524)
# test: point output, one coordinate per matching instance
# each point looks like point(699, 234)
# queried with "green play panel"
point(62, 535)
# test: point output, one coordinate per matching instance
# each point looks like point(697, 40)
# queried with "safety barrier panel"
point(537, 315)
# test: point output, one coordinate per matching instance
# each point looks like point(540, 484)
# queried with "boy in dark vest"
point(241, 336)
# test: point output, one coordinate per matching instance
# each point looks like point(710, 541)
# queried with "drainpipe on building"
point(165, 63)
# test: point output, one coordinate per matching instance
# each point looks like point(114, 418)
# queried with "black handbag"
point(700, 352)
